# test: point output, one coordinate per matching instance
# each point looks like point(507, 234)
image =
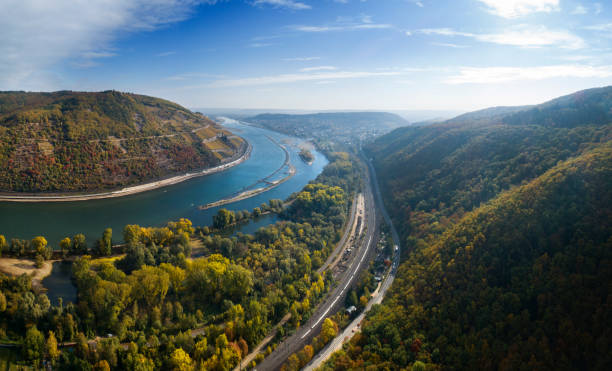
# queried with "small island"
point(307, 156)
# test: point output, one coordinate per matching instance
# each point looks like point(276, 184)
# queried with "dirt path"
point(17, 267)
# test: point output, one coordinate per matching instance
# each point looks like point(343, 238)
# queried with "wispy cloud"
point(579, 10)
point(318, 68)
point(450, 45)
point(363, 22)
point(606, 27)
point(193, 76)
point(521, 35)
point(301, 59)
point(259, 45)
point(166, 54)
point(518, 8)
point(493, 75)
point(598, 8)
point(35, 37)
point(289, 4)
point(363, 26)
point(298, 77)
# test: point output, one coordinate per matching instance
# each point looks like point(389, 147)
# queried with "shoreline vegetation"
point(307, 156)
point(208, 311)
point(19, 266)
point(126, 191)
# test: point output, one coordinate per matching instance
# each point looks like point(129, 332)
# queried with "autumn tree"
point(51, 347)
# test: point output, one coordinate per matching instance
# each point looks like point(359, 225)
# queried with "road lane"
point(334, 300)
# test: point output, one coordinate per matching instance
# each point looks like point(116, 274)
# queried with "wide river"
point(56, 220)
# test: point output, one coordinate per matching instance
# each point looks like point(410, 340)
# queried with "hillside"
point(346, 126)
point(506, 230)
point(74, 141)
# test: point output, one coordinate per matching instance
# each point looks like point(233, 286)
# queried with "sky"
point(310, 54)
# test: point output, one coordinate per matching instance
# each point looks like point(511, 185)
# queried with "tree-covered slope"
point(75, 141)
point(522, 282)
point(506, 233)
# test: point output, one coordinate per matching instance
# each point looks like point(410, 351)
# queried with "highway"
point(354, 326)
point(331, 259)
point(334, 300)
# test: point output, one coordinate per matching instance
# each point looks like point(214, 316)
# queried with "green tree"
point(65, 245)
point(33, 345)
point(79, 244)
point(223, 219)
point(102, 365)
point(105, 243)
point(39, 245)
point(3, 244)
point(2, 302)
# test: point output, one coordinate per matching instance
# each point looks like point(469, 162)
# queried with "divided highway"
point(354, 326)
point(334, 300)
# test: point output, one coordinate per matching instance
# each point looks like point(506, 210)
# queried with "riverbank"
point(128, 190)
point(251, 193)
point(17, 267)
point(254, 192)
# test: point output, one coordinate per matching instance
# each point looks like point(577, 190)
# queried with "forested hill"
point(77, 141)
point(341, 125)
point(507, 243)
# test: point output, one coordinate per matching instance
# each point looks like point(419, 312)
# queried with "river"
point(55, 221)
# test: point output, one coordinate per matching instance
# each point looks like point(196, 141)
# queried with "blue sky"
point(307, 54)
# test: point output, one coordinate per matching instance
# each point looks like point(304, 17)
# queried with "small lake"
point(55, 221)
point(59, 284)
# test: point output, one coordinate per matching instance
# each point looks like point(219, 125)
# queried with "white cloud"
point(450, 45)
point(292, 78)
point(192, 76)
point(351, 27)
point(36, 34)
point(598, 8)
point(517, 8)
point(521, 35)
point(444, 32)
point(579, 10)
point(260, 45)
point(528, 36)
point(289, 4)
point(318, 68)
point(301, 59)
point(606, 27)
point(494, 75)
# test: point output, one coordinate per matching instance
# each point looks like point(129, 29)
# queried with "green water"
point(155, 208)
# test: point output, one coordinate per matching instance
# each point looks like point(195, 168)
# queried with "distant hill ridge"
point(83, 141)
point(593, 106)
point(343, 126)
